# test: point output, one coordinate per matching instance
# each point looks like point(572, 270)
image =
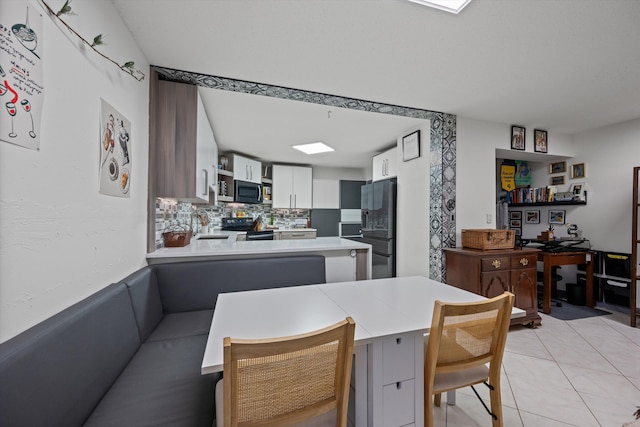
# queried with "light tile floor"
point(581, 373)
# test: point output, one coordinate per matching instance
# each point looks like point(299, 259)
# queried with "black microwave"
point(247, 192)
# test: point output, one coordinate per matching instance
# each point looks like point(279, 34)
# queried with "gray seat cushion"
point(55, 373)
point(162, 385)
point(177, 325)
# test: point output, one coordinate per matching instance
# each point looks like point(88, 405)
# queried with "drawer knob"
point(496, 263)
point(524, 261)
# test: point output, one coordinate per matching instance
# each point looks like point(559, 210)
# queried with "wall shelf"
point(575, 202)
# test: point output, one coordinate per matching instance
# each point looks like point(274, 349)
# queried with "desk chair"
point(285, 381)
point(463, 339)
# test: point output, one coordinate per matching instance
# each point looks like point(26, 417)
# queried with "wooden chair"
point(463, 339)
point(284, 381)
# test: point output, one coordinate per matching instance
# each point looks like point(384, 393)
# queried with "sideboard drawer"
point(397, 359)
point(493, 263)
point(398, 407)
point(524, 261)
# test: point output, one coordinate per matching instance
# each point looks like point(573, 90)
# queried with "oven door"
point(260, 235)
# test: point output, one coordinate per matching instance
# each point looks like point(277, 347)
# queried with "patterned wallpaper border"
point(442, 224)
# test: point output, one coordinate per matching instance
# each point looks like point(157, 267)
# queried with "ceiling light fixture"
point(313, 148)
point(451, 6)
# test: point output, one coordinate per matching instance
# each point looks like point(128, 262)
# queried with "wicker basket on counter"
point(487, 239)
point(177, 236)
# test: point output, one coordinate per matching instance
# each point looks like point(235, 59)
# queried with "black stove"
point(237, 224)
point(246, 224)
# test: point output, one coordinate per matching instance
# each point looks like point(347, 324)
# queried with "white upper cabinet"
point(292, 187)
point(385, 165)
point(207, 155)
point(245, 169)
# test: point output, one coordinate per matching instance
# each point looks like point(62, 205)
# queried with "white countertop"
point(224, 247)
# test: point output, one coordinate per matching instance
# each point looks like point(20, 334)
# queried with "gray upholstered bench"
point(130, 354)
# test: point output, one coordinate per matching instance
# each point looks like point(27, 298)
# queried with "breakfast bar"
point(345, 260)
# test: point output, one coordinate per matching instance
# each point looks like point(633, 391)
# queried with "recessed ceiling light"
point(452, 6)
point(313, 148)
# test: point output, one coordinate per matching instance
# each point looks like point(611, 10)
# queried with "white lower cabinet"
point(293, 235)
point(399, 404)
point(395, 383)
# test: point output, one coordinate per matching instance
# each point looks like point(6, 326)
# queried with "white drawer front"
point(398, 357)
point(398, 407)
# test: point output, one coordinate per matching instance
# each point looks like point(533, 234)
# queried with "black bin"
point(576, 293)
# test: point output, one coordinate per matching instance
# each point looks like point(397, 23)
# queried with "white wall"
point(59, 239)
point(412, 222)
point(610, 153)
point(476, 144)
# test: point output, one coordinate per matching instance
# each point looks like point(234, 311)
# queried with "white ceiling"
point(566, 66)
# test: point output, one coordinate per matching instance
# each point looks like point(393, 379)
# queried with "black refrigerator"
point(378, 205)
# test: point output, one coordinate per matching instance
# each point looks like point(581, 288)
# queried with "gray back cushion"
point(56, 372)
point(189, 286)
point(147, 307)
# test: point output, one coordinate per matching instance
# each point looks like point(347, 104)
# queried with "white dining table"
point(392, 316)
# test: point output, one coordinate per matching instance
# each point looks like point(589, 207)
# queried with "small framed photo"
point(578, 170)
point(515, 215)
point(557, 217)
point(532, 217)
point(518, 231)
point(578, 191)
point(411, 146)
point(558, 167)
point(557, 180)
point(540, 141)
point(515, 223)
point(517, 138)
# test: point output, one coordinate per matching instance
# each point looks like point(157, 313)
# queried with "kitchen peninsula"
point(345, 260)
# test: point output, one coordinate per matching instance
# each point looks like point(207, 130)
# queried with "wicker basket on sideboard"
point(488, 239)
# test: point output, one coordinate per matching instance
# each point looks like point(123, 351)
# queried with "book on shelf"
point(532, 195)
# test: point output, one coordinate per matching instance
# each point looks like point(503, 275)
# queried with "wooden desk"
point(552, 259)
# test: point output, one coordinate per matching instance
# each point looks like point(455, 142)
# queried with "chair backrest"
point(282, 381)
point(464, 335)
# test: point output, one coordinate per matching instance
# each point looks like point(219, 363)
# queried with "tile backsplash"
point(171, 214)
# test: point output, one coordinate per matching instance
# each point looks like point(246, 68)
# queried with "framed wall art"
point(515, 215)
point(411, 146)
point(532, 217)
point(557, 180)
point(578, 170)
point(557, 217)
point(540, 141)
point(578, 191)
point(558, 167)
point(517, 138)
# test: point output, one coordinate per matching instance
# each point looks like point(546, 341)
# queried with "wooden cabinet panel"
point(490, 273)
point(494, 284)
point(524, 283)
point(184, 147)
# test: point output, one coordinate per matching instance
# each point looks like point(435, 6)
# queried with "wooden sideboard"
point(490, 273)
